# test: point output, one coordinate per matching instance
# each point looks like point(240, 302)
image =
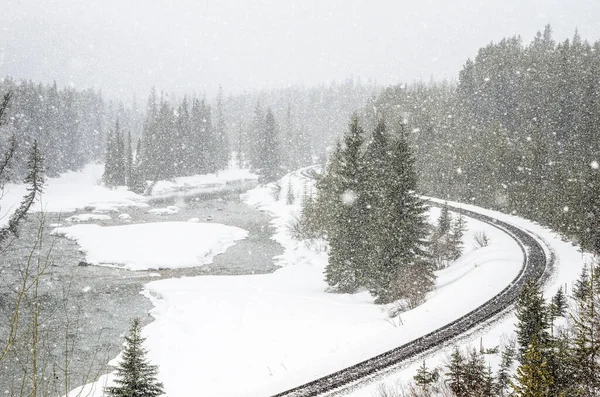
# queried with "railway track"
point(534, 266)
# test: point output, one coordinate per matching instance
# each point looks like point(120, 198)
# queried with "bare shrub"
point(481, 240)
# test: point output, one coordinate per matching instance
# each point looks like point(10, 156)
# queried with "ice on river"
point(153, 245)
point(88, 218)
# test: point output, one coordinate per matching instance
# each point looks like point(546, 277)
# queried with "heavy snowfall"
point(299, 199)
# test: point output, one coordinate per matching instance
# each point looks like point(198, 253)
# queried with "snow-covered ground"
point(272, 332)
point(153, 245)
point(569, 261)
point(193, 185)
point(73, 191)
point(70, 192)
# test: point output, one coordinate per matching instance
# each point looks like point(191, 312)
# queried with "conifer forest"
point(300, 199)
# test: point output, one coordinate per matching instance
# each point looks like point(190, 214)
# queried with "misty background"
point(125, 48)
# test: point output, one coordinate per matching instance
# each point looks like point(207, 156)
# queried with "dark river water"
point(86, 309)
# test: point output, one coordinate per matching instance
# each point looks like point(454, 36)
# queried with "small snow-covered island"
point(248, 230)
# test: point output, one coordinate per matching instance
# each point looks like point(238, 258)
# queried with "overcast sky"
point(126, 46)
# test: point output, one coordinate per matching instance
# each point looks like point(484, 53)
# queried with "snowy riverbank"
point(272, 332)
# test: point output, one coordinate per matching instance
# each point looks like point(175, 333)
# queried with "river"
point(86, 309)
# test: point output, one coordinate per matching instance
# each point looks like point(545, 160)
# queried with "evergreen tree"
point(184, 153)
point(503, 377)
point(456, 374)
point(444, 221)
point(270, 156)
point(558, 306)
point(397, 233)
point(532, 316)
point(424, 377)
point(440, 240)
point(257, 136)
point(583, 286)
point(115, 167)
point(586, 343)
point(342, 200)
point(533, 378)
point(487, 389)
point(221, 141)
point(455, 240)
point(475, 375)
point(129, 160)
point(136, 377)
point(560, 364)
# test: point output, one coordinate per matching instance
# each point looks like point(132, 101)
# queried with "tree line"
point(183, 141)
point(69, 125)
point(517, 132)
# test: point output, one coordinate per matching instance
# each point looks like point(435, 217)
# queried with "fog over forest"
point(187, 46)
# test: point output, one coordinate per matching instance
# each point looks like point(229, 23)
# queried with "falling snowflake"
point(349, 197)
point(594, 165)
point(87, 288)
point(459, 171)
point(566, 208)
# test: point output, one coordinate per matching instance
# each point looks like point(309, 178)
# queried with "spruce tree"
point(400, 266)
point(533, 378)
point(503, 377)
point(475, 374)
point(455, 243)
point(441, 249)
point(342, 198)
point(532, 316)
point(129, 160)
point(136, 377)
point(444, 221)
point(558, 306)
point(456, 373)
point(586, 342)
point(221, 141)
point(582, 287)
point(270, 156)
point(424, 377)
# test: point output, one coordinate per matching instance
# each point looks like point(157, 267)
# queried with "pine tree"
point(444, 221)
point(136, 377)
point(558, 306)
point(270, 156)
point(503, 376)
point(341, 197)
point(532, 316)
point(586, 342)
point(221, 141)
point(129, 160)
point(487, 390)
point(582, 287)
point(424, 377)
point(533, 378)
point(440, 244)
point(560, 364)
point(456, 374)
point(256, 137)
point(455, 243)
point(399, 265)
point(475, 374)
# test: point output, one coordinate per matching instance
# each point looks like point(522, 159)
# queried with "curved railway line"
point(534, 266)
